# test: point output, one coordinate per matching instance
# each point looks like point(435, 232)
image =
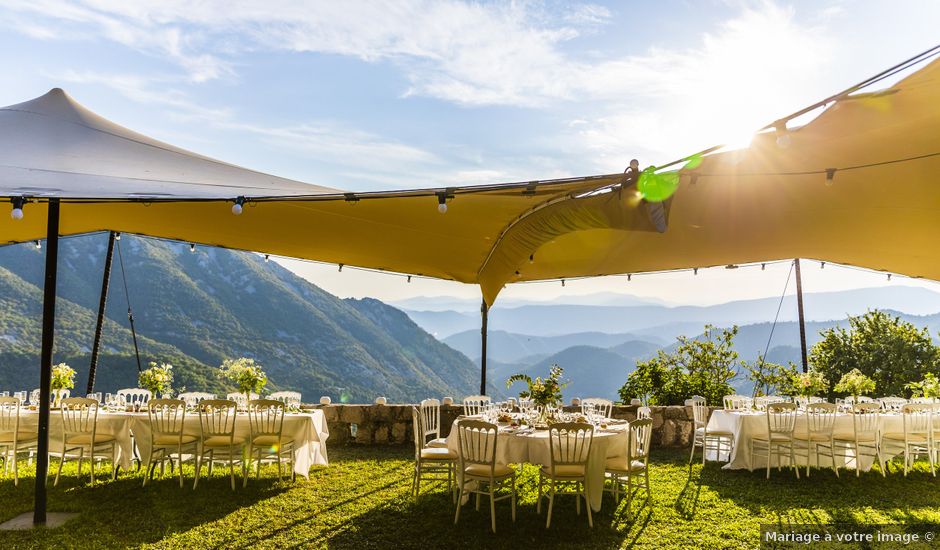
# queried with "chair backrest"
point(417, 429)
point(431, 418)
point(736, 402)
point(474, 404)
point(79, 415)
point(135, 396)
point(192, 398)
point(821, 418)
point(644, 413)
point(699, 414)
point(865, 419)
point(603, 407)
point(917, 418)
point(53, 395)
point(217, 417)
point(762, 401)
point(166, 416)
point(10, 415)
point(781, 418)
point(289, 398)
point(266, 417)
point(923, 400)
point(638, 440)
point(570, 443)
point(892, 404)
point(477, 442)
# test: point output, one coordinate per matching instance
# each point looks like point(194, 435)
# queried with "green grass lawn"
point(362, 501)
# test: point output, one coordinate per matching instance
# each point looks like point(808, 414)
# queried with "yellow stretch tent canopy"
point(878, 208)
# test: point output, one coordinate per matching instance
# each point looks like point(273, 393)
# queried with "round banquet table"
point(746, 424)
point(527, 445)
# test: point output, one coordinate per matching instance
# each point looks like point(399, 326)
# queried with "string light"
point(694, 271)
point(629, 277)
point(531, 258)
point(889, 276)
point(442, 203)
point(409, 278)
point(822, 265)
point(117, 236)
point(562, 282)
point(340, 268)
point(763, 267)
point(192, 247)
point(731, 266)
point(267, 258)
point(18, 204)
point(830, 174)
point(38, 244)
point(237, 207)
point(518, 274)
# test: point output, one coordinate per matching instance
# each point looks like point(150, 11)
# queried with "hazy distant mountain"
point(197, 309)
point(466, 305)
point(667, 322)
point(510, 347)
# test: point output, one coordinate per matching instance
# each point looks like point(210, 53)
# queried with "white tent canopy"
point(53, 146)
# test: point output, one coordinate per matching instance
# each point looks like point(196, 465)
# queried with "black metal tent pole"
point(799, 307)
point(484, 313)
point(45, 362)
point(102, 303)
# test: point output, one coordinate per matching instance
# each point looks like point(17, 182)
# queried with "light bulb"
point(267, 258)
point(442, 208)
point(409, 278)
point(236, 209)
point(38, 244)
point(17, 213)
point(830, 176)
point(18, 204)
point(531, 258)
point(783, 141)
point(340, 268)
point(192, 247)
point(117, 236)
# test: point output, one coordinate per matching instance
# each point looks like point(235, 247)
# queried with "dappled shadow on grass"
point(122, 513)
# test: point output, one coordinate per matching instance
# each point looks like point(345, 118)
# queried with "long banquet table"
point(528, 445)
point(746, 424)
point(309, 430)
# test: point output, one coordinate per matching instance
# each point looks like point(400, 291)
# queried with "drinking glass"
point(21, 395)
point(4, 394)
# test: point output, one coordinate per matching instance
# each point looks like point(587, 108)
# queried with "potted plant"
point(158, 379)
point(855, 384)
point(244, 373)
point(804, 385)
point(63, 378)
point(542, 392)
point(929, 387)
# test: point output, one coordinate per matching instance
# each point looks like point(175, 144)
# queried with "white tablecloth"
point(116, 424)
point(308, 429)
point(744, 425)
point(533, 447)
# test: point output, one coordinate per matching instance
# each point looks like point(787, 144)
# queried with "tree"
point(703, 366)
point(890, 351)
point(769, 378)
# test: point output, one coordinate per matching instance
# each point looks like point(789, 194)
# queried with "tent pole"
point(484, 312)
point(799, 307)
point(45, 362)
point(105, 281)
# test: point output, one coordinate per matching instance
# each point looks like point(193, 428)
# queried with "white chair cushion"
point(483, 470)
point(222, 441)
point(565, 470)
point(270, 441)
point(172, 440)
point(439, 442)
point(619, 464)
point(7, 437)
point(438, 453)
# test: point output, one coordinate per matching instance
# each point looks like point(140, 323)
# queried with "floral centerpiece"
point(63, 378)
point(808, 384)
point(158, 379)
point(928, 387)
point(855, 384)
point(542, 392)
point(244, 373)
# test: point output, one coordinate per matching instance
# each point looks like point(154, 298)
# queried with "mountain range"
point(196, 309)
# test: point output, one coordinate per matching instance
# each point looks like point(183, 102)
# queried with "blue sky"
point(378, 95)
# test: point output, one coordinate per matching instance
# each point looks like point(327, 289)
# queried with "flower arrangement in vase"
point(63, 378)
point(244, 373)
point(808, 384)
point(855, 384)
point(544, 393)
point(158, 379)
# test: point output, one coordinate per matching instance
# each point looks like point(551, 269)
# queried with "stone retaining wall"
point(391, 424)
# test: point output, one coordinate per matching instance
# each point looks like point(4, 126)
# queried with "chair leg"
point(587, 504)
point(692, 454)
point(198, 469)
point(478, 502)
point(231, 466)
point(513, 498)
point(459, 503)
point(551, 503)
point(16, 471)
point(492, 507)
point(577, 505)
point(538, 503)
